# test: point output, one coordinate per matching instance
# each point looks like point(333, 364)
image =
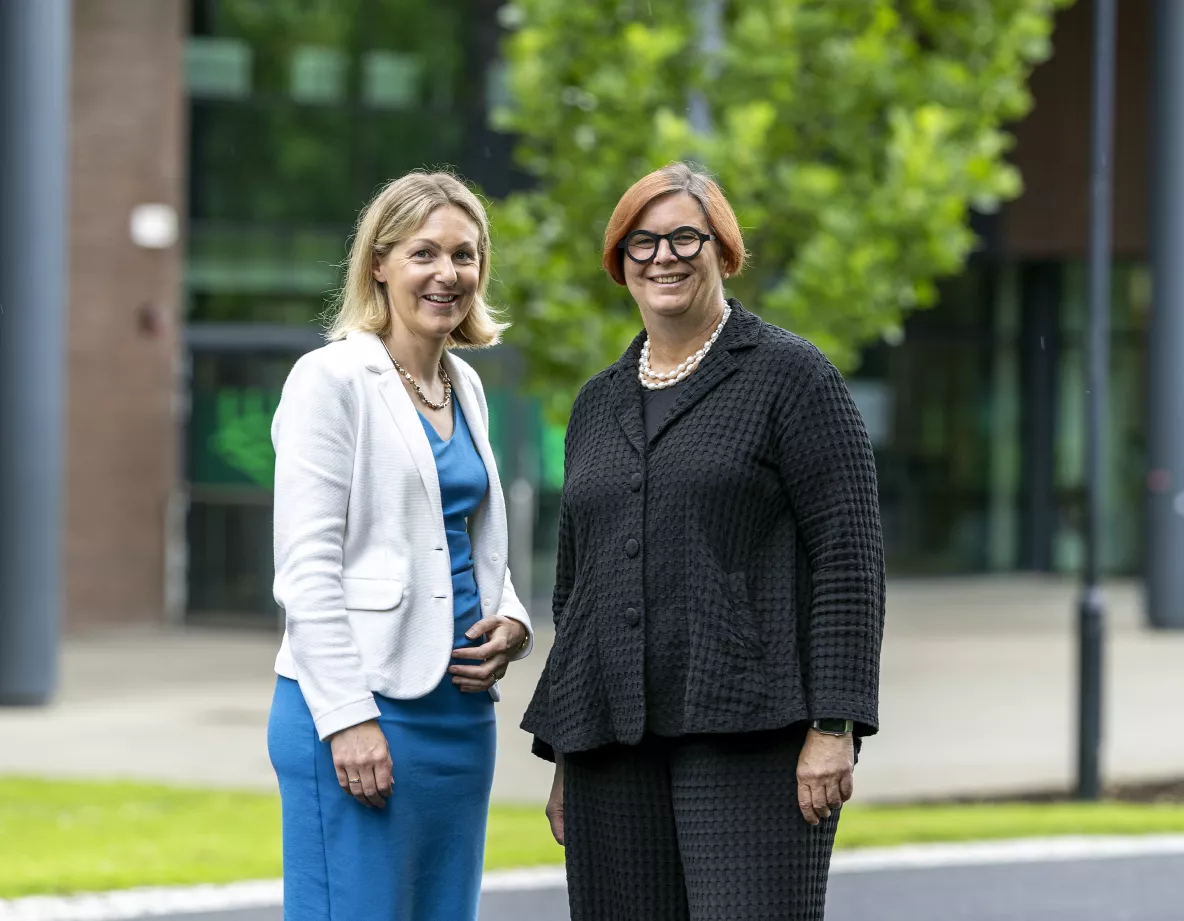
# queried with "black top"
point(657, 404)
point(724, 573)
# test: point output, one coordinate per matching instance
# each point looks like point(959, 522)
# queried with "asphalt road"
point(1129, 889)
point(1124, 889)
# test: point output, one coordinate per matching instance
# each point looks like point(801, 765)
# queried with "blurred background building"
point(265, 127)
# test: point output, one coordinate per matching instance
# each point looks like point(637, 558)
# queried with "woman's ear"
point(377, 269)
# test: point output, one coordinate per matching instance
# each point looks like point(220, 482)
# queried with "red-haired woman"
point(719, 593)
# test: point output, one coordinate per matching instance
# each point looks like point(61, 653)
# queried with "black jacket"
point(726, 576)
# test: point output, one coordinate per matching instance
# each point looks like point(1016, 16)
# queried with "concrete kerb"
point(168, 901)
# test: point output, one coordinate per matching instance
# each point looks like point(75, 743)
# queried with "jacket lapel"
point(715, 369)
point(403, 411)
point(463, 393)
point(740, 332)
point(630, 404)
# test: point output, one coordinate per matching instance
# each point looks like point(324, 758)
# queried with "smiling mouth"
point(441, 298)
point(667, 279)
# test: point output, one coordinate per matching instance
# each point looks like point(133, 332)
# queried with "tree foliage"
point(853, 138)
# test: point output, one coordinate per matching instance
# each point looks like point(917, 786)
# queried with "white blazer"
point(362, 569)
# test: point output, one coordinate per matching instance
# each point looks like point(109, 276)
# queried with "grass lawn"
point(62, 836)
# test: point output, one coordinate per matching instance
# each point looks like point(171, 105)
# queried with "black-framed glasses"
point(685, 243)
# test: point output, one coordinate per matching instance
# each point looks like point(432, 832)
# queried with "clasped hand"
point(503, 637)
point(361, 754)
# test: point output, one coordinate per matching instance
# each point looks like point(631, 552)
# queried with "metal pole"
point(34, 115)
point(709, 14)
point(1092, 612)
point(1165, 343)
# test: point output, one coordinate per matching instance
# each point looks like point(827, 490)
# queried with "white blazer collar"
point(370, 350)
point(398, 402)
point(463, 393)
point(407, 418)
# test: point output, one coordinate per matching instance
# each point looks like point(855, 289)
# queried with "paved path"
point(1140, 889)
point(977, 696)
point(1127, 889)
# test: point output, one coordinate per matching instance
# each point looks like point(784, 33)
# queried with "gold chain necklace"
point(414, 383)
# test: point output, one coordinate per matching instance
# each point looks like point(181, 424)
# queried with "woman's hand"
point(555, 801)
point(363, 761)
point(825, 774)
point(503, 638)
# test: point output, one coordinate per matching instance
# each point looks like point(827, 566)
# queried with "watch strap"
point(834, 727)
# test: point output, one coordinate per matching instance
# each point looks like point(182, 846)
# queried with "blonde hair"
point(393, 215)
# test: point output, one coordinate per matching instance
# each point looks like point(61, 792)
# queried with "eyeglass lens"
point(686, 243)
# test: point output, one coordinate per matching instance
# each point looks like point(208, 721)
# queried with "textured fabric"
point(361, 554)
point(420, 859)
point(701, 828)
point(725, 575)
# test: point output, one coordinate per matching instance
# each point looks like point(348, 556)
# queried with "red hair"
point(676, 177)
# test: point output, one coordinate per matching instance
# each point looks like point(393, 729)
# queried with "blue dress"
point(420, 858)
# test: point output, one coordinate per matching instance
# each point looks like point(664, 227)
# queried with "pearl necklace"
point(660, 380)
point(419, 390)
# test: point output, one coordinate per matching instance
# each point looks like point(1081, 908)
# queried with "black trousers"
point(701, 828)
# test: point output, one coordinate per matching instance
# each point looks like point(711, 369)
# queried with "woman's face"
point(669, 286)
point(431, 277)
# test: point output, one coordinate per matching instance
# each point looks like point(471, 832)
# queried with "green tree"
point(853, 137)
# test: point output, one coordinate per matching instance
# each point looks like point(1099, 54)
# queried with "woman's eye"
point(464, 255)
point(424, 254)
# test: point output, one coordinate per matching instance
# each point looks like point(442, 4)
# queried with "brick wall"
point(122, 435)
point(1051, 219)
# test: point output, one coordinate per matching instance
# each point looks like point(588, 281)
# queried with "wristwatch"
point(833, 727)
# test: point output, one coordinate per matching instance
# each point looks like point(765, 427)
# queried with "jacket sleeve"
point(514, 609)
point(565, 565)
point(511, 606)
point(826, 460)
point(315, 433)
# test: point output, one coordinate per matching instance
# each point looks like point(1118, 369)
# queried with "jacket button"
point(631, 547)
point(632, 618)
point(635, 482)
point(493, 557)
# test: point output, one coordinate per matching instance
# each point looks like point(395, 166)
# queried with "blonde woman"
point(390, 558)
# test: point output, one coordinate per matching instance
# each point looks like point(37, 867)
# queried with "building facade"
point(266, 126)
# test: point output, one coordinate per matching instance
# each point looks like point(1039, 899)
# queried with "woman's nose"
point(665, 252)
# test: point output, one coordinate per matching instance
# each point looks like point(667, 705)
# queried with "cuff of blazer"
point(529, 644)
point(343, 717)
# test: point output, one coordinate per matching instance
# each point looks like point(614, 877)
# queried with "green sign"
point(231, 438)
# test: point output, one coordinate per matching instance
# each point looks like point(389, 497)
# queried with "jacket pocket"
point(372, 594)
point(569, 613)
point(741, 625)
